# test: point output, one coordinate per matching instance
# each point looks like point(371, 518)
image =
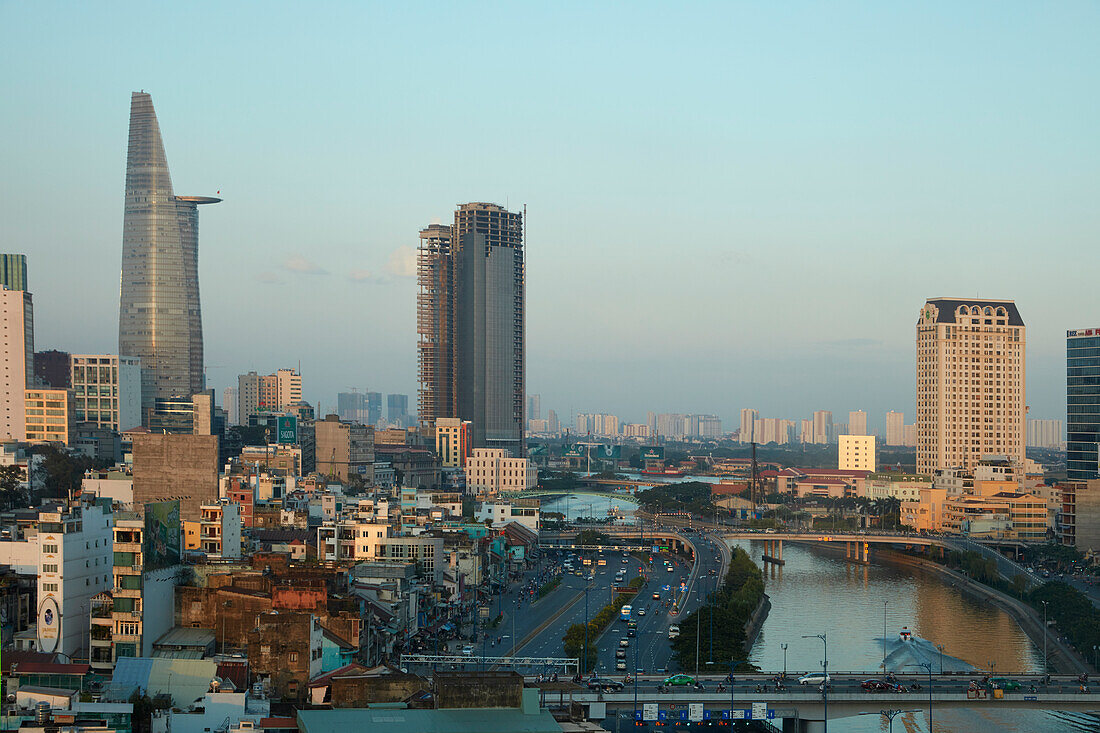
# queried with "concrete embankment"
point(756, 621)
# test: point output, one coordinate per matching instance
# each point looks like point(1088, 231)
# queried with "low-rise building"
point(217, 533)
point(490, 471)
point(49, 415)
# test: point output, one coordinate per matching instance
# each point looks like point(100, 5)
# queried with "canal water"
point(583, 506)
point(817, 593)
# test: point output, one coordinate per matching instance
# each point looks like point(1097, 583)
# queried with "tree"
point(11, 480)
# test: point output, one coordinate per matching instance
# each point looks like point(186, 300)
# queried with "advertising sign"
point(162, 535)
point(608, 452)
point(695, 711)
point(649, 711)
point(287, 429)
point(49, 625)
point(653, 453)
point(574, 451)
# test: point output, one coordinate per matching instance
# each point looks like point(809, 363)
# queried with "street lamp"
point(784, 660)
point(1044, 636)
point(884, 636)
point(927, 666)
point(825, 665)
point(733, 664)
point(890, 715)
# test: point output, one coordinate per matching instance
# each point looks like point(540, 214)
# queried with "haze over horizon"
point(728, 206)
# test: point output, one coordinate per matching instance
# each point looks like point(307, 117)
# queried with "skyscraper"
point(1082, 404)
point(159, 316)
point(534, 407)
point(17, 369)
point(398, 409)
point(895, 428)
point(823, 426)
point(970, 382)
point(857, 423)
point(748, 422)
point(13, 271)
point(471, 324)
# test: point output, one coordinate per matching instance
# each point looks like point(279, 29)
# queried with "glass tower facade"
point(159, 321)
point(1082, 404)
point(13, 271)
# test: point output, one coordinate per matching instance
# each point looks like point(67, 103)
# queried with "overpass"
point(541, 493)
point(803, 708)
point(859, 544)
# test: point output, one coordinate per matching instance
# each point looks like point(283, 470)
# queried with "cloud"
point(360, 275)
point(402, 262)
point(298, 263)
point(268, 278)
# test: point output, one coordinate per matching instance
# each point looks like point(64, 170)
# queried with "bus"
point(624, 613)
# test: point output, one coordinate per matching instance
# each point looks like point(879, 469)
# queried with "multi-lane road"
point(681, 585)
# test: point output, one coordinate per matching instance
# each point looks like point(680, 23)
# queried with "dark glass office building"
point(1082, 403)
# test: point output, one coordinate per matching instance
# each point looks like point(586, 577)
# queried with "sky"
point(728, 204)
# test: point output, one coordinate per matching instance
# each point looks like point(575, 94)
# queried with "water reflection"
point(815, 593)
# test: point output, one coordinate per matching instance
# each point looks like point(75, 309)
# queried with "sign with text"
point(760, 711)
point(695, 711)
point(653, 453)
point(649, 711)
point(287, 429)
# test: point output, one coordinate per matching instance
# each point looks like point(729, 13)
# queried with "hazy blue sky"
point(729, 204)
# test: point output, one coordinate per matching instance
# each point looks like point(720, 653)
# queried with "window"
point(49, 587)
point(294, 656)
point(49, 568)
point(49, 549)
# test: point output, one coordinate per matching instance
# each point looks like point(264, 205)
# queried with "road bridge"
point(803, 708)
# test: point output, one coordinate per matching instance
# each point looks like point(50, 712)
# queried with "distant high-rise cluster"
point(267, 393)
point(1045, 434)
point(472, 326)
point(970, 383)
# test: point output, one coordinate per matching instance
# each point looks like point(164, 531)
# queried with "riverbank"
point(1061, 658)
point(756, 621)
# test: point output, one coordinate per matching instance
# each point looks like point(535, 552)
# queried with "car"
point(656, 596)
point(1005, 683)
point(670, 569)
point(641, 612)
point(620, 665)
point(624, 560)
point(602, 683)
point(814, 678)
point(631, 633)
point(624, 642)
point(620, 653)
point(468, 650)
point(679, 680)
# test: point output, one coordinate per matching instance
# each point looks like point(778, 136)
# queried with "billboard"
point(607, 452)
point(49, 624)
point(574, 451)
point(287, 429)
point(162, 535)
point(653, 453)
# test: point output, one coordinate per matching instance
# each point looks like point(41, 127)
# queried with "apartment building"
point(970, 382)
point(490, 471)
point(856, 453)
point(49, 415)
point(107, 390)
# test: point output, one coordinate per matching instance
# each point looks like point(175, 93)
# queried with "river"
point(817, 593)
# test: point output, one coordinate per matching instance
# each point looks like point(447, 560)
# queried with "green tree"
point(11, 479)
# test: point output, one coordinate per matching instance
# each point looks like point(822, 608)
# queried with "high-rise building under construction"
point(159, 316)
point(471, 324)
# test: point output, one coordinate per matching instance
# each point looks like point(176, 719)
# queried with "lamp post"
point(584, 662)
point(825, 665)
point(927, 666)
point(784, 660)
point(635, 684)
point(884, 636)
point(733, 664)
point(940, 647)
point(1044, 636)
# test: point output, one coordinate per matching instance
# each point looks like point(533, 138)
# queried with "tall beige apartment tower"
point(970, 382)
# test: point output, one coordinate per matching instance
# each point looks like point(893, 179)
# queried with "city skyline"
point(346, 223)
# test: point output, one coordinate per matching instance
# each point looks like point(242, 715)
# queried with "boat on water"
point(905, 634)
point(664, 472)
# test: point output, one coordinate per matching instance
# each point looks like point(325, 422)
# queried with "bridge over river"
point(803, 709)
